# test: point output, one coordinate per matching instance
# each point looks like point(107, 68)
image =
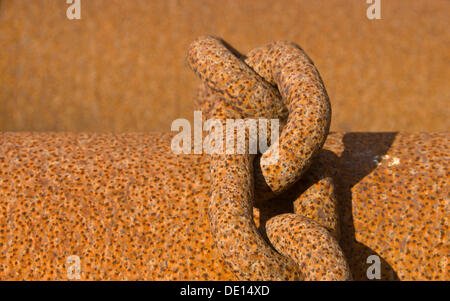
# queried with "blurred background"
point(122, 66)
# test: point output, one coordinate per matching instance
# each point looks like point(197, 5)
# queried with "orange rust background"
point(122, 66)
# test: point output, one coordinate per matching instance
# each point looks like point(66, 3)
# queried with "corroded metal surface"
point(130, 209)
point(96, 74)
point(274, 81)
point(144, 212)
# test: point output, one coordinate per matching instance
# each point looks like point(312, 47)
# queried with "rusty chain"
point(274, 81)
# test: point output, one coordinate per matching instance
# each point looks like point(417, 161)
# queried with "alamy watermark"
point(374, 270)
point(73, 12)
point(235, 129)
point(374, 10)
point(73, 267)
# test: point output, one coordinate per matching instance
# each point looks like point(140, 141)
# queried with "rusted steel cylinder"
point(126, 207)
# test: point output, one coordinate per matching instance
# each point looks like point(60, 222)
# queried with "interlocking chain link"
point(274, 81)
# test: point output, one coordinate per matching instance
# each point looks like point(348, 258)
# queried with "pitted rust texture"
point(285, 65)
point(309, 237)
point(411, 228)
point(319, 203)
point(234, 90)
point(112, 201)
point(240, 92)
point(243, 248)
point(132, 210)
point(324, 260)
